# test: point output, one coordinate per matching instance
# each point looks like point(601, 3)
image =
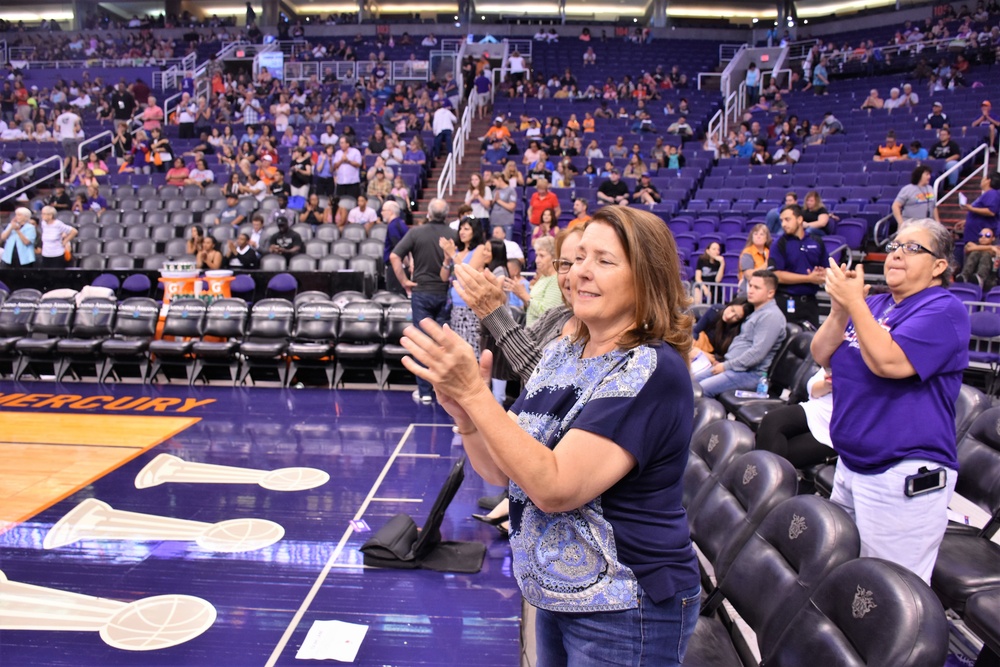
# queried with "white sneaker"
point(416, 395)
point(423, 400)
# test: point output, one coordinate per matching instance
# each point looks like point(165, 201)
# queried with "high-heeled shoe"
point(489, 502)
point(496, 515)
point(504, 529)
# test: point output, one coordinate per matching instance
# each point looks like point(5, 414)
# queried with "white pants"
point(907, 531)
point(300, 192)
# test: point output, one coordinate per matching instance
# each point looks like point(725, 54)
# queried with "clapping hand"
point(845, 287)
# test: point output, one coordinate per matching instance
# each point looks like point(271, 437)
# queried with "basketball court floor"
point(210, 526)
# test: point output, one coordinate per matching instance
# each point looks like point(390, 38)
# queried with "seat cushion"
point(710, 646)
point(732, 402)
point(350, 352)
point(119, 347)
point(79, 346)
point(965, 566)
point(215, 350)
point(7, 343)
point(309, 350)
point(822, 477)
point(982, 614)
point(753, 412)
point(36, 346)
point(171, 348)
point(393, 352)
point(263, 349)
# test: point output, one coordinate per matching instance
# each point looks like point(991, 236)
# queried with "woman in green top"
point(545, 292)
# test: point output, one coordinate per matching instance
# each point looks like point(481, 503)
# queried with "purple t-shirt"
point(590, 559)
point(975, 223)
point(878, 422)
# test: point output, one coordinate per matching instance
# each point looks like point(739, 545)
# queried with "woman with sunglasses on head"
point(897, 361)
point(980, 257)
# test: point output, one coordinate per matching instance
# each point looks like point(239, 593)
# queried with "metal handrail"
point(94, 138)
point(32, 169)
point(715, 126)
point(893, 49)
point(449, 173)
point(883, 222)
point(446, 181)
point(707, 75)
point(985, 167)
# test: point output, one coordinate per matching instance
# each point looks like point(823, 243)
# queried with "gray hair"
point(942, 243)
point(546, 243)
point(392, 206)
point(49, 210)
point(437, 210)
point(894, 90)
point(22, 212)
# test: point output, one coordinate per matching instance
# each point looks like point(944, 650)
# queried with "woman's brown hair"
point(660, 298)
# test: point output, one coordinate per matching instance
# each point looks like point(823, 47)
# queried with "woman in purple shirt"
point(897, 362)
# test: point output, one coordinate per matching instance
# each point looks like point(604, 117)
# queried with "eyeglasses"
point(562, 265)
point(986, 235)
point(910, 248)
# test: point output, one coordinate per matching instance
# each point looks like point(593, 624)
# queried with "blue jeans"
point(428, 305)
point(651, 634)
point(442, 143)
point(713, 385)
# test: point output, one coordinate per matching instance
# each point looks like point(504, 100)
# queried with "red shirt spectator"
point(542, 199)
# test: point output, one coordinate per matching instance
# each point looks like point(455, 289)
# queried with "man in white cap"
point(936, 119)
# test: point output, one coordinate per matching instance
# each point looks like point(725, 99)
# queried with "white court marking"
point(311, 595)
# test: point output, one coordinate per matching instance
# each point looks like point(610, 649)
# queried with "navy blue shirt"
point(797, 256)
point(634, 534)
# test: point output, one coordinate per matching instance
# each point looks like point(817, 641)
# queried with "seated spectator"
point(715, 332)
point(681, 128)
point(980, 256)
point(890, 150)
point(753, 350)
point(618, 150)
point(936, 119)
point(710, 268)
point(948, 150)
point(284, 241)
point(815, 214)
point(831, 125)
point(916, 151)
point(178, 174)
point(363, 214)
point(380, 186)
point(613, 190)
point(801, 433)
point(496, 153)
point(240, 255)
point(313, 213)
point(873, 101)
point(95, 201)
point(760, 155)
point(548, 226)
point(208, 256)
point(646, 192)
point(756, 251)
point(589, 56)
point(635, 167)
point(674, 159)
point(231, 214)
point(815, 136)
point(787, 153)
point(910, 98)
point(201, 174)
point(894, 101)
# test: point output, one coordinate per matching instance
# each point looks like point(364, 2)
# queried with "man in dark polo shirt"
point(798, 260)
point(428, 293)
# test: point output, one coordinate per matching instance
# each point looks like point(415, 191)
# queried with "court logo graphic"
point(864, 602)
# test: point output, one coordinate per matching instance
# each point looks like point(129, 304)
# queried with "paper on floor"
point(332, 640)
